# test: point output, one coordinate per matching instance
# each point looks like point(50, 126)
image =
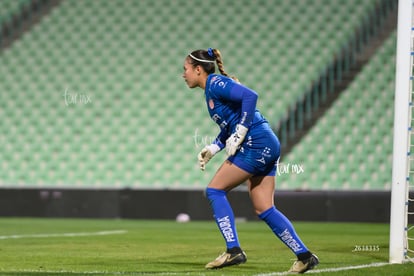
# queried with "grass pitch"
point(145, 247)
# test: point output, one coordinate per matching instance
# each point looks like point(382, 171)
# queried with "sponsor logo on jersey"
point(216, 117)
point(211, 103)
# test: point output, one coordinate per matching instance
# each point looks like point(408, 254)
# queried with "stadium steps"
point(9, 9)
point(350, 147)
point(19, 16)
point(302, 115)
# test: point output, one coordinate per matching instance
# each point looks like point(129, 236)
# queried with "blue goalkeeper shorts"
point(259, 153)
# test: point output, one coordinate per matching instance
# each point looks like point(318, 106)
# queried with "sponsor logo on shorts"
point(261, 160)
point(266, 153)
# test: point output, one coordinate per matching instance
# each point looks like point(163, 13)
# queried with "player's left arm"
point(230, 90)
point(248, 99)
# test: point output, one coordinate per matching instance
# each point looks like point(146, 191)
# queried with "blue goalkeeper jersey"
point(230, 103)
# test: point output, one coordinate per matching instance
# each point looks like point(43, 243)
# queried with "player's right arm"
point(210, 150)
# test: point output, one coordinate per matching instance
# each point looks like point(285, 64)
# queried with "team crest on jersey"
point(211, 103)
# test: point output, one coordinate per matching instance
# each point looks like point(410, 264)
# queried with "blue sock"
point(283, 229)
point(223, 214)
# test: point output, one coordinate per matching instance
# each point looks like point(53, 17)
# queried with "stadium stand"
point(94, 95)
point(17, 17)
point(350, 148)
point(10, 8)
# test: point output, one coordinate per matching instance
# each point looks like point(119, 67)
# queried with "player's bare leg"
point(261, 190)
point(228, 176)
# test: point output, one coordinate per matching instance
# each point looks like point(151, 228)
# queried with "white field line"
point(79, 234)
point(334, 269)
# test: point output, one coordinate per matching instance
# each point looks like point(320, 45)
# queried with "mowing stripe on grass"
point(80, 234)
point(66, 272)
point(97, 272)
point(335, 269)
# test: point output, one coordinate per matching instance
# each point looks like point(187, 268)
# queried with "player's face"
point(191, 75)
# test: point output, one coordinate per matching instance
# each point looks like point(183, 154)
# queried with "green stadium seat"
point(361, 139)
point(138, 130)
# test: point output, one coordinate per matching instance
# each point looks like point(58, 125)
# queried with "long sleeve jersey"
point(230, 103)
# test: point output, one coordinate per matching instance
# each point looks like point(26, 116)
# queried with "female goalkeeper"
point(253, 151)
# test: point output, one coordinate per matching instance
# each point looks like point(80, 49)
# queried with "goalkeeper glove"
point(234, 141)
point(206, 154)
